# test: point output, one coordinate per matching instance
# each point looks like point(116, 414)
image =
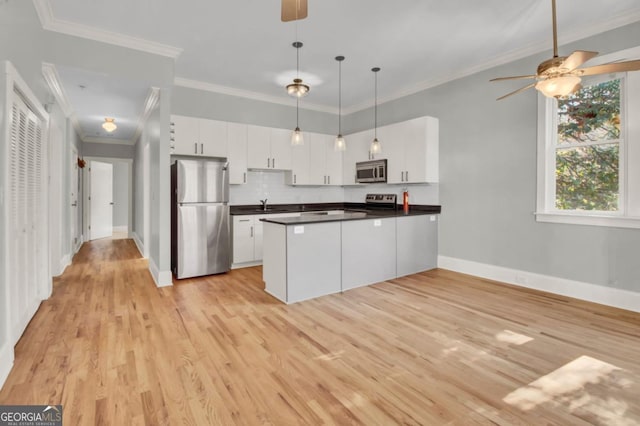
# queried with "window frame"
point(628, 213)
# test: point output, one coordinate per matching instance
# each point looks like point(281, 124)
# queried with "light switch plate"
point(298, 229)
point(377, 222)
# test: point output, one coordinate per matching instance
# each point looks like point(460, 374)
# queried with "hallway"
point(431, 348)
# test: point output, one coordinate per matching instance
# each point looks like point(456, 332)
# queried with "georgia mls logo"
point(30, 415)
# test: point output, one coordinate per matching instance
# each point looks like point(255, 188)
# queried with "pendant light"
point(109, 124)
point(297, 88)
point(376, 146)
point(339, 144)
point(297, 138)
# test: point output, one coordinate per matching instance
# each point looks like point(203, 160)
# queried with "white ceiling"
point(242, 45)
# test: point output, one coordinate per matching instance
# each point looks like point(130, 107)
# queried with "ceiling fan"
point(293, 10)
point(560, 75)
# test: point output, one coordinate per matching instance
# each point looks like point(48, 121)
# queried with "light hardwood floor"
point(433, 348)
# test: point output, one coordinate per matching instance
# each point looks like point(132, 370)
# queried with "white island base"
point(307, 260)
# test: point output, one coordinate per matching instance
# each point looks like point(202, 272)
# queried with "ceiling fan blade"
point(610, 68)
point(578, 58)
point(515, 77)
point(293, 10)
point(522, 89)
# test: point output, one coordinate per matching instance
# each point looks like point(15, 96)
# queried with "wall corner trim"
point(609, 296)
point(161, 278)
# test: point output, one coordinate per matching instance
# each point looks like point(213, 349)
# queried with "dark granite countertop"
point(353, 214)
point(254, 209)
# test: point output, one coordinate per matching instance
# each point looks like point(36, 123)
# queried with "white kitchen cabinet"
point(357, 150)
point(243, 239)
point(268, 148)
point(411, 150)
point(247, 237)
point(299, 174)
point(325, 164)
point(417, 244)
point(237, 153)
point(199, 136)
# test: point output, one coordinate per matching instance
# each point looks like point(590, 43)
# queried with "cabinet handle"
point(268, 162)
point(406, 176)
point(244, 220)
point(273, 163)
point(252, 231)
point(329, 180)
point(294, 179)
point(201, 148)
point(401, 176)
point(244, 177)
point(195, 145)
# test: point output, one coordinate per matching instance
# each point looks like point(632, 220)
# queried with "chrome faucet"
point(264, 204)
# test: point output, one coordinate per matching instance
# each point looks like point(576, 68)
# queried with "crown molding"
point(225, 90)
point(51, 23)
point(93, 139)
point(149, 104)
point(502, 59)
point(50, 73)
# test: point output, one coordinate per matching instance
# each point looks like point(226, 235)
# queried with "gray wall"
point(488, 177)
point(120, 194)
point(107, 150)
point(198, 103)
point(138, 188)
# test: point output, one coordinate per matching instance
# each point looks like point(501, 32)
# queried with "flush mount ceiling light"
point(297, 88)
point(109, 124)
point(339, 144)
point(376, 146)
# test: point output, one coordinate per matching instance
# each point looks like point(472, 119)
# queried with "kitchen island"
point(312, 256)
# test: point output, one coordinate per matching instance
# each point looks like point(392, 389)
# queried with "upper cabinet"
point(357, 150)
point(316, 162)
point(237, 153)
point(268, 148)
point(198, 136)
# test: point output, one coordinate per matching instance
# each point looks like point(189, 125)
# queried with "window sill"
point(594, 220)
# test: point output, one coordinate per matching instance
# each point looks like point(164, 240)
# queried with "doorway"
point(108, 198)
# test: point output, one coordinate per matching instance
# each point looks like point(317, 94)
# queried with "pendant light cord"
point(375, 108)
point(340, 97)
point(297, 112)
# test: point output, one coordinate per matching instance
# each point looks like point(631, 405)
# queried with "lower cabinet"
point(247, 238)
point(417, 244)
point(368, 251)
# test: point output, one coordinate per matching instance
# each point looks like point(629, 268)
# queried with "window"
point(589, 152)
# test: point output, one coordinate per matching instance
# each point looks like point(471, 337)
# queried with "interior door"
point(74, 191)
point(101, 201)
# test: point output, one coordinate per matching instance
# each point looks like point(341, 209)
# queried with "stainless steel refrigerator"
point(200, 230)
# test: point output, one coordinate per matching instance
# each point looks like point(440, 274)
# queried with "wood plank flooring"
point(433, 348)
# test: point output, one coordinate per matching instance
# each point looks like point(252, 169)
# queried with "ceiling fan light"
point(297, 138)
point(557, 87)
point(339, 144)
point(109, 124)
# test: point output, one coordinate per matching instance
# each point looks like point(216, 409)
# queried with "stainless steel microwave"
point(371, 171)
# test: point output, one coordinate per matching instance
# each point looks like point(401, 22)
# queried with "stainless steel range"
point(381, 201)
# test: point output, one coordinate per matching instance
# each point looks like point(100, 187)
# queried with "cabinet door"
point(421, 150)
point(299, 165)
point(243, 239)
point(334, 162)
point(392, 138)
point(258, 237)
point(213, 138)
point(186, 135)
point(317, 158)
point(237, 153)
point(258, 147)
point(281, 149)
point(417, 243)
point(357, 150)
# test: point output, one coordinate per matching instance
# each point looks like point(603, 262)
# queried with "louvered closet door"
point(29, 246)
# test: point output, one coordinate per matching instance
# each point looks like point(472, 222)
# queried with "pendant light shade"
point(109, 124)
point(297, 89)
point(339, 144)
point(376, 146)
point(297, 138)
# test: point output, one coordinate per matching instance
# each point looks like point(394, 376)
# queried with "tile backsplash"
point(271, 184)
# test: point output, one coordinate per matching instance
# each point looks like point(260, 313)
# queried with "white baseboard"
point(64, 262)
point(246, 264)
point(6, 362)
point(121, 229)
point(609, 296)
point(136, 239)
point(162, 278)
